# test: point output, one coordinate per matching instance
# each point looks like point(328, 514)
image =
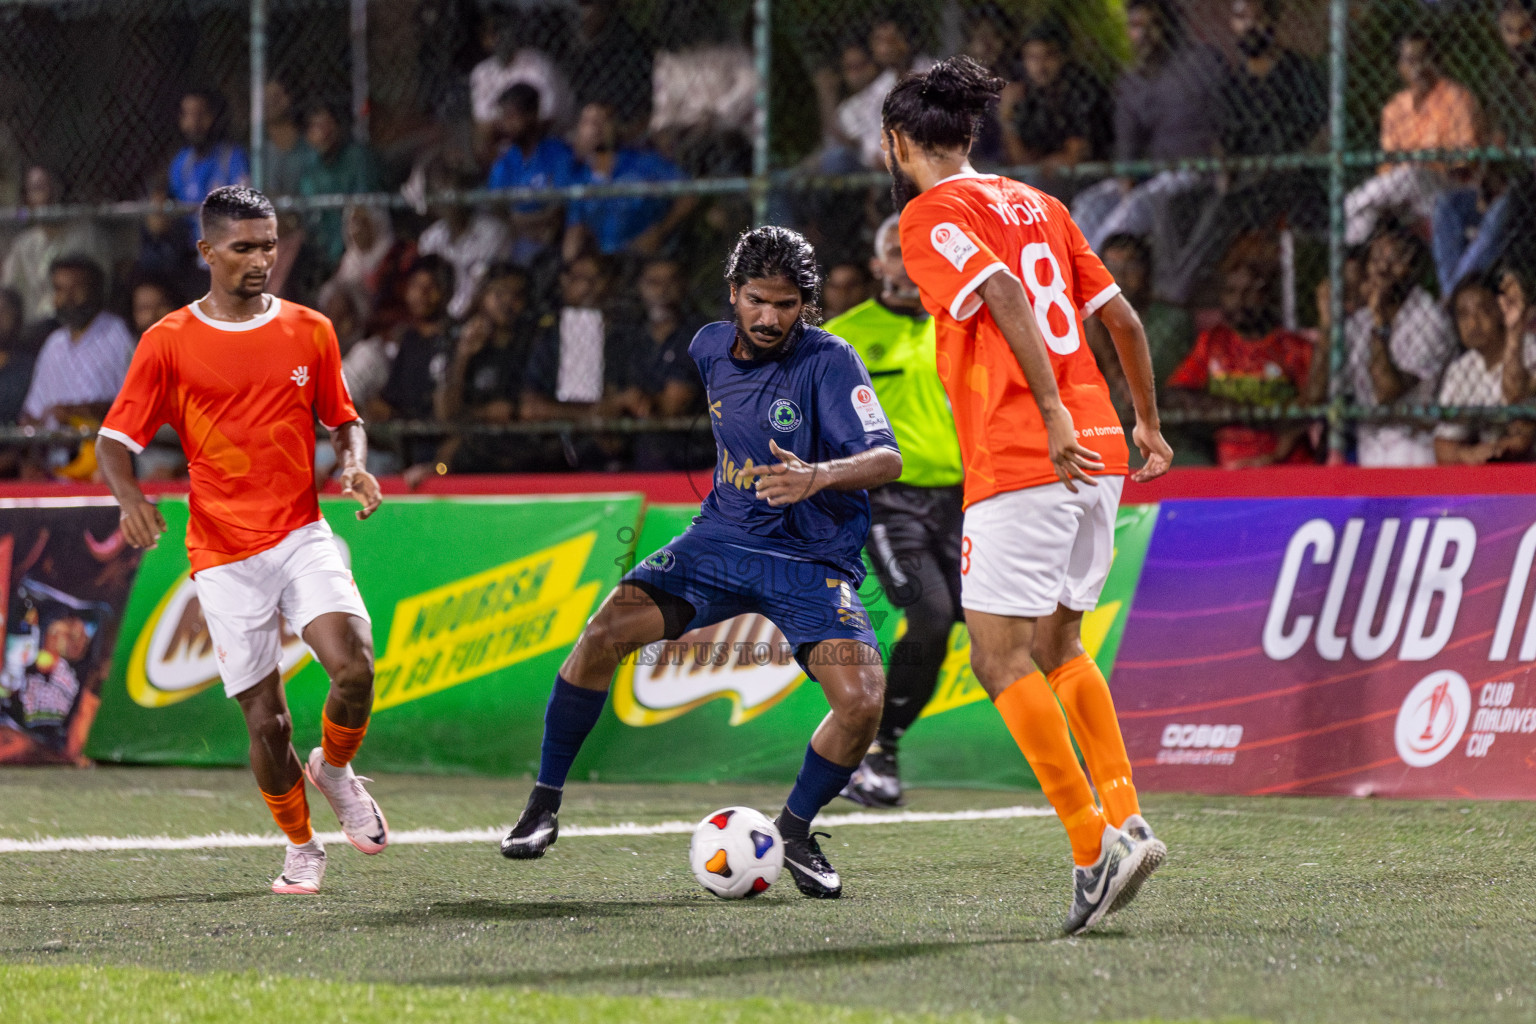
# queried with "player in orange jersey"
point(242, 377)
point(1008, 278)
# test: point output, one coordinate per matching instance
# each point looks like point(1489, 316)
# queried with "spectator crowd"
point(488, 314)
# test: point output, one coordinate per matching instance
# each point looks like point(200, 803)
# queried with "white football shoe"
point(1140, 833)
point(361, 820)
point(303, 870)
point(1097, 887)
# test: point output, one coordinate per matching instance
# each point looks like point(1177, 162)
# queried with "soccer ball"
point(736, 853)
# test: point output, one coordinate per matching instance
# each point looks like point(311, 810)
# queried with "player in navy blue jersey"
point(800, 439)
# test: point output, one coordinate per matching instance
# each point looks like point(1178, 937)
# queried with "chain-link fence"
point(1319, 207)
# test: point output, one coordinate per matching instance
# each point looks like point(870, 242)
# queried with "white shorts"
point(1025, 552)
point(301, 578)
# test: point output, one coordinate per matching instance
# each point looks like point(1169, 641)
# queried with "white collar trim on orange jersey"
point(259, 320)
point(963, 174)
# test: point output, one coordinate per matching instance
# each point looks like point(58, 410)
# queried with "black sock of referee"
point(912, 675)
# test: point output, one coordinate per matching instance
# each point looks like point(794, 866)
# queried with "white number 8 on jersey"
point(1045, 294)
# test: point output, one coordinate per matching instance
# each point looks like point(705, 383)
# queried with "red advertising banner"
point(1355, 646)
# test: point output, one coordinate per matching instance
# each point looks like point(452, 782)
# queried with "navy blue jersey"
point(813, 399)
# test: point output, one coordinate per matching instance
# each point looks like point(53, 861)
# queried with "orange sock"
point(339, 742)
point(1030, 711)
point(291, 812)
point(1091, 712)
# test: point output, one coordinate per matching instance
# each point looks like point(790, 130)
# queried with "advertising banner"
point(67, 573)
point(1358, 646)
point(730, 702)
point(474, 603)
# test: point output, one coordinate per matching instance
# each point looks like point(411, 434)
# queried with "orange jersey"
point(243, 397)
point(953, 237)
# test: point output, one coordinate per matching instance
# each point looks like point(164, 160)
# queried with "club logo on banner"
point(1358, 646)
point(1432, 718)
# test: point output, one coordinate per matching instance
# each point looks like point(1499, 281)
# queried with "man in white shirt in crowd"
point(82, 364)
point(512, 60)
point(467, 238)
point(26, 265)
point(858, 116)
point(1398, 344)
point(1491, 336)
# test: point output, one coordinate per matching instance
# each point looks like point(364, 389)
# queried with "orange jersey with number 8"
point(954, 237)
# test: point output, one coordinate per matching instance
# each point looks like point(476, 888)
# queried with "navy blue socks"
point(818, 782)
point(569, 717)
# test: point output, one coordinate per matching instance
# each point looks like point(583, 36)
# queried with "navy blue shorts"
point(808, 601)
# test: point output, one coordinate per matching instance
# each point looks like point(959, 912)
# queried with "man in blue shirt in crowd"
point(533, 159)
point(800, 438)
point(633, 224)
point(207, 162)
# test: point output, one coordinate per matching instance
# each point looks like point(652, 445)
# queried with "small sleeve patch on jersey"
point(953, 244)
point(867, 407)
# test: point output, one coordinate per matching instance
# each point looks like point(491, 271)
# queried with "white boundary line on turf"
point(431, 836)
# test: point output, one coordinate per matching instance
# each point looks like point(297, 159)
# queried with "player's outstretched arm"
point(356, 482)
point(1124, 325)
point(142, 523)
point(793, 479)
point(1004, 295)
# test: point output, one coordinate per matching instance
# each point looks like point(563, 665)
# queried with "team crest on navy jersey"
point(784, 415)
point(661, 561)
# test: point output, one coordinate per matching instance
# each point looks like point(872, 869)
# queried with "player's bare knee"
point(601, 641)
point(352, 678)
point(865, 702)
point(273, 729)
point(996, 671)
point(1052, 652)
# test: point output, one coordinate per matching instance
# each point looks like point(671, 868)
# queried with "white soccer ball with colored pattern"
point(736, 853)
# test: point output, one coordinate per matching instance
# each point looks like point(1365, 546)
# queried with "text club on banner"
point(67, 574)
point(474, 605)
point(1342, 645)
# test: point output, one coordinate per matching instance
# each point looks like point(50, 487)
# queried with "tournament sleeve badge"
point(953, 244)
point(867, 407)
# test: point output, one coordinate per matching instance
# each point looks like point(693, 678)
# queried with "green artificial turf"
point(118, 995)
point(1268, 909)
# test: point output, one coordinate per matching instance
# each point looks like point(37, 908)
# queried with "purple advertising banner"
point(1357, 646)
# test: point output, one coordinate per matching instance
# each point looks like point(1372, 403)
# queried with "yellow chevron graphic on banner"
point(480, 624)
point(957, 687)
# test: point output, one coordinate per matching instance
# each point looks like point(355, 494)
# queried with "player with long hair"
point(800, 439)
point(1008, 277)
point(242, 376)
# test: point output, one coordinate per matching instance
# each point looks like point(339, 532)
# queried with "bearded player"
point(1008, 278)
point(801, 438)
point(242, 376)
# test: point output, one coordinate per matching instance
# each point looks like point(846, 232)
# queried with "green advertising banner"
point(475, 602)
point(724, 703)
